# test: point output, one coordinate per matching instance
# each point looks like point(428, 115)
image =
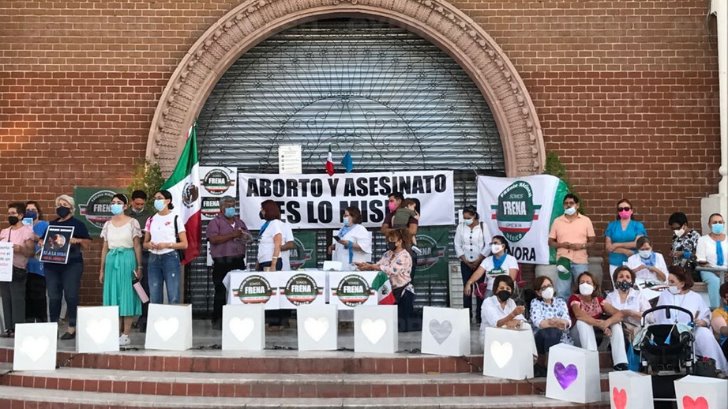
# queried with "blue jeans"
point(713, 282)
point(164, 269)
point(563, 287)
point(63, 281)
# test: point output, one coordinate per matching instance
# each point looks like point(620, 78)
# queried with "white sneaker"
point(124, 340)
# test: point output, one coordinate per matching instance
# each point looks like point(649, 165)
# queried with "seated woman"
point(587, 314)
point(499, 310)
point(550, 319)
point(719, 320)
point(680, 295)
point(397, 264)
point(647, 265)
point(627, 300)
point(498, 263)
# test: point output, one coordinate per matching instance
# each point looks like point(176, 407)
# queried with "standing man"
point(228, 236)
point(571, 235)
point(137, 211)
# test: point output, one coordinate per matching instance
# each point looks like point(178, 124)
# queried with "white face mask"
point(496, 248)
point(586, 289)
point(468, 222)
point(570, 211)
point(673, 289)
point(679, 233)
point(548, 293)
point(645, 253)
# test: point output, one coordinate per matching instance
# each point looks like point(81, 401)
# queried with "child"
point(401, 218)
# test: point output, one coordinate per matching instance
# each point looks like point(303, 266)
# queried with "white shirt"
point(161, 230)
point(472, 242)
point(644, 274)
point(492, 312)
point(509, 263)
point(265, 242)
point(635, 301)
point(691, 301)
point(286, 254)
point(358, 234)
point(706, 251)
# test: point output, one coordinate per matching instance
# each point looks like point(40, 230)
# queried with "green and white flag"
point(522, 210)
point(383, 287)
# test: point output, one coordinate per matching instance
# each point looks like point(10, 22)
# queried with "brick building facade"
point(626, 93)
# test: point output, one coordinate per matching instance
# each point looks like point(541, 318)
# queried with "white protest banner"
point(6, 261)
point(520, 209)
point(216, 182)
point(318, 201)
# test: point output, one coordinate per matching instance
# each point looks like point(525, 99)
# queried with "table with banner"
point(286, 290)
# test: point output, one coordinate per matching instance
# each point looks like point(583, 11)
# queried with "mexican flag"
point(184, 185)
point(383, 287)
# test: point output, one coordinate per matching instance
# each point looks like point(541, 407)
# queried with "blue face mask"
point(717, 228)
point(230, 212)
point(159, 204)
point(116, 209)
point(31, 214)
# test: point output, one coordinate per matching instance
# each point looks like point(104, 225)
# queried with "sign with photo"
point(216, 182)
point(93, 207)
point(56, 244)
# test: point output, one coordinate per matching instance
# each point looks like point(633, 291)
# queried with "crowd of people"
point(140, 246)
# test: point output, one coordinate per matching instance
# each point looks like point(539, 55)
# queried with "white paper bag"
point(573, 374)
point(446, 331)
point(243, 327)
point(630, 390)
point(505, 353)
point(97, 329)
point(375, 329)
point(169, 327)
point(698, 392)
point(35, 347)
point(317, 327)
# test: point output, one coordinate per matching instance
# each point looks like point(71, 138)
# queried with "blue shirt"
point(614, 231)
point(35, 266)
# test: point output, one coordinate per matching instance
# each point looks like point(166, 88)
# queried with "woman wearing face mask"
point(712, 251)
point(684, 242)
point(621, 235)
point(550, 319)
point(270, 237)
point(36, 306)
point(13, 293)
point(64, 280)
point(354, 244)
point(588, 311)
point(498, 263)
point(121, 263)
point(397, 264)
point(164, 236)
point(680, 295)
point(719, 320)
point(648, 265)
point(628, 300)
point(470, 239)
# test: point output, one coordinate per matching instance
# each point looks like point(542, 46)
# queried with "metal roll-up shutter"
point(392, 98)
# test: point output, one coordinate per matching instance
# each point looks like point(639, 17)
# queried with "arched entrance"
point(438, 21)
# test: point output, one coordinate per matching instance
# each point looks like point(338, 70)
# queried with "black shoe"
point(68, 335)
point(539, 371)
point(621, 367)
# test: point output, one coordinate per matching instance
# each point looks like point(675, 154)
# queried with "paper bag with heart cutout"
point(97, 329)
point(573, 374)
point(317, 327)
point(169, 327)
point(446, 331)
point(375, 329)
point(630, 390)
point(35, 347)
point(243, 327)
point(698, 392)
point(505, 353)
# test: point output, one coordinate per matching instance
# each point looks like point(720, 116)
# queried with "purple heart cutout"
point(565, 375)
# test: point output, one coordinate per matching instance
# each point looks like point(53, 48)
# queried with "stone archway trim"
point(438, 21)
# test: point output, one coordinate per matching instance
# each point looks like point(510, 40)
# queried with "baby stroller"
point(666, 353)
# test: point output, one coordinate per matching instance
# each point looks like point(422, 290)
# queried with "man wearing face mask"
point(571, 234)
point(13, 292)
point(138, 211)
point(712, 251)
point(227, 236)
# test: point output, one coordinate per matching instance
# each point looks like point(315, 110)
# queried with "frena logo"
point(515, 211)
point(97, 210)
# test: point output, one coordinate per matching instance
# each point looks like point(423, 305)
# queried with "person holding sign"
point(165, 235)
point(121, 263)
point(497, 264)
point(64, 279)
point(12, 286)
point(36, 306)
point(353, 242)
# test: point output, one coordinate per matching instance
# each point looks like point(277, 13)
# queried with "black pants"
point(546, 338)
point(142, 321)
point(275, 317)
point(466, 272)
point(13, 298)
point(221, 266)
point(405, 310)
point(36, 306)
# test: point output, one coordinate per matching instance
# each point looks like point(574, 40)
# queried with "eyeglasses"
point(624, 209)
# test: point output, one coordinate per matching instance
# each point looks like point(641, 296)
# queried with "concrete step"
point(30, 398)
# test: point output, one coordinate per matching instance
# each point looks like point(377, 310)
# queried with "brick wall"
point(626, 92)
